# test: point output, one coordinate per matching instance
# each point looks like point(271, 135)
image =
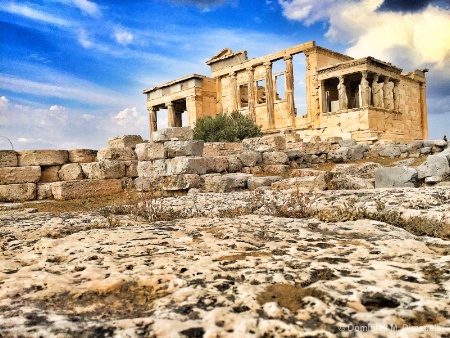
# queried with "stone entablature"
point(333, 81)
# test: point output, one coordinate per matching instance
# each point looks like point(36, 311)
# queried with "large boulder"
point(435, 165)
point(42, 157)
point(265, 143)
point(184, 148)
point(15, 175)
point(125, 141)
point(173, 134)
point(393, 177)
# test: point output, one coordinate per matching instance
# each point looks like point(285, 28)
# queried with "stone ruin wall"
point(174, 162)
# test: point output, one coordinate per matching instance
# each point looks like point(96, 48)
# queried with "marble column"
point(153, 120)
point(170, 114)
point(233, 88)
point(377, 92)
point(251, 93)
point(423, 110)
point(396, 95)
point(388, 94)
point(269, 96)
point(290, 90)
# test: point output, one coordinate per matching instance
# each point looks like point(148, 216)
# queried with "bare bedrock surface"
point(84, 275)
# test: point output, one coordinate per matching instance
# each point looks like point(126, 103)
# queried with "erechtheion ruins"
point(364, 99)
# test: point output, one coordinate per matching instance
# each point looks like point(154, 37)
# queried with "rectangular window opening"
point(261, 91)
point(243, 96)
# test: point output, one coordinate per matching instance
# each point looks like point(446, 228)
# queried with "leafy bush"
point(232, 127)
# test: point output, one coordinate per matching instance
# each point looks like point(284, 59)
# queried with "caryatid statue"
point(396, 95)
point(388, 94)
point(377, 93)
point(365, 89)
point(343, 100)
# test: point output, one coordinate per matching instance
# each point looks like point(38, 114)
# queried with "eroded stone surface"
point(249, 276)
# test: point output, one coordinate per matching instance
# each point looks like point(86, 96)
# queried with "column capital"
point(250, 69)
point(232, 74)
point(152, 109)
point(267, 64)
point(169, 104)
point(287, 57)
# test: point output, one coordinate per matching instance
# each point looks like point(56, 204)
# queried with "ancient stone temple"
point(364, 99)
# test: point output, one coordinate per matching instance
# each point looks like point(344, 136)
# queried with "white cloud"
point(88, 117)
point(88, 7)
point(122, 36)
point(34, 14)
point(84, 40)
point(57, 108)
point(129, 118)
point(3, 102)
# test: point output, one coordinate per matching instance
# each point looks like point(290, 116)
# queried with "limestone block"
point(363, 170)
point(184, 148)
point(71, 171)
point(307, 172)
point(265, 181)
point(425, 150)
point(125, 141)
point(118, 154)
point(146, 169)
point(18, 192)
point(234, 164)
point(42, 157)
point(435, 165)
point(131, 168)
point(314, 148)
point(176, 134)
point(44, 191)
point(393, 177)
point(433, 179)
point(250, 158)
point(127, 183)
point(334, 139)
point(275, 157)
point(8, 158)
point(446, 153)
point(428, 143)
point(389, 150)
point(276, 169)
point(14, 175)
point(341, 181)
point(407, 162)
point(50, 174)
point(414, 146)
point(82, 155)
point(265, 143)
point(184, 165)
point(216, 164)
point(105, 169)
point(356, 152)
point(307, 182)
point(293, 154)
point(347, 142)
point(150, 151)
point(180, 182)
point(226, 183)
point(440, 143)
point(65, 190)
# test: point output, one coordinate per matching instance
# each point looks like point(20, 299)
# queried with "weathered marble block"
point(15, 175)
point(131, 168)
point(150, 151)
point(265, 143)
point(8, 158)
point(250, 158)
point(18, 192)
point(65, 190)
point(118, 154)
point(82, 155)
point(226, 183)
point(44, 191)
point(275, 157)
point(184, 165)
point(184, 148)
point(265, 181)
point(234, 164)
point(216, 164)
point(125, 141)
point(393, 177)
point(71, 171)
point(178, 134)
point(435, 165)
point(105, 169)
point(42, 157)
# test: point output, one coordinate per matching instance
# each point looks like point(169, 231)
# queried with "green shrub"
point(232, 127)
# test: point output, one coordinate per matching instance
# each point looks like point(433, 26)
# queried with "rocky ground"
point(228, 265)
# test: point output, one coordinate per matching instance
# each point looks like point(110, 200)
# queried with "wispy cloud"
point(122, 36)
point(34, 14)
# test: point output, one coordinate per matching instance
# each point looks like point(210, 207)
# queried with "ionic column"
point(290, 89)
point(153, 120)
point(233, 86)
point(251, 93)
point(269, 95)
point(170, 114)
point(423, 110)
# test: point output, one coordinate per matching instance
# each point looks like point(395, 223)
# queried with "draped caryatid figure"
point(343, 100)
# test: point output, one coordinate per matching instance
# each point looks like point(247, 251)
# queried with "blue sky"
point(72, 71)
